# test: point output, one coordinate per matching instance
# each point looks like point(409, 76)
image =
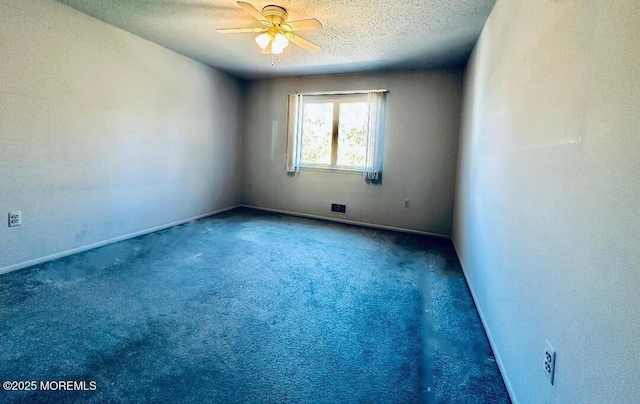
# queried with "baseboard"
point(496, 353)
point(345, 221)
point(36, 261)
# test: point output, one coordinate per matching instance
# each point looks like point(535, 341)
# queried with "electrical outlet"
point(15, 218)
point(549, 361)
point(406, 203)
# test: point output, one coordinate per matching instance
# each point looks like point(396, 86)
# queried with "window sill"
point(333, 170)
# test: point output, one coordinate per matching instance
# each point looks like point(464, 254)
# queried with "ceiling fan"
point(277, 32)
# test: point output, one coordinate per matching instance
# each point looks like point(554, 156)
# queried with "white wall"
point(104, 134)
point(423, 112)
point(547, 211)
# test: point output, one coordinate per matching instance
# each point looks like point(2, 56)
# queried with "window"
point(336, 131)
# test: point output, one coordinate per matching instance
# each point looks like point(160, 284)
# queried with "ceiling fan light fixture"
point(280, 41)
point(263, 40)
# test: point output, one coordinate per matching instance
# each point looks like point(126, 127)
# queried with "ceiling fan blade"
point(253, 11)
point(239, 30)
point(302, 42)
point(302, 25)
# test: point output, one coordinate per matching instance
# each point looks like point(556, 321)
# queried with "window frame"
point(336, 100)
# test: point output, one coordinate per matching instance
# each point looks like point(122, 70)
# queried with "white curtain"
point(373, 166)
point(293, 133)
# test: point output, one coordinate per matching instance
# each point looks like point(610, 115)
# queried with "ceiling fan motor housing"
point(275, 14)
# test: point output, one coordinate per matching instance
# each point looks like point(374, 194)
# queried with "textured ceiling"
point(358, 35)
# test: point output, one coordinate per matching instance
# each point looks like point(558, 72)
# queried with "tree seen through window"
point(334, 132)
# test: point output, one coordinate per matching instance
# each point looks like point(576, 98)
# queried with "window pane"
point(316, 133)
point(352, 134)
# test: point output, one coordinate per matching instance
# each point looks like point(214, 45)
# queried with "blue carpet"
point(248, 306)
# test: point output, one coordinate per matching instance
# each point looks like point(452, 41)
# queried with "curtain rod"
point(377, 90)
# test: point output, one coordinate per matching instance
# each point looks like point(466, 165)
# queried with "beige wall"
point(104, 134)
point(423, 112)
point(547, 216)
